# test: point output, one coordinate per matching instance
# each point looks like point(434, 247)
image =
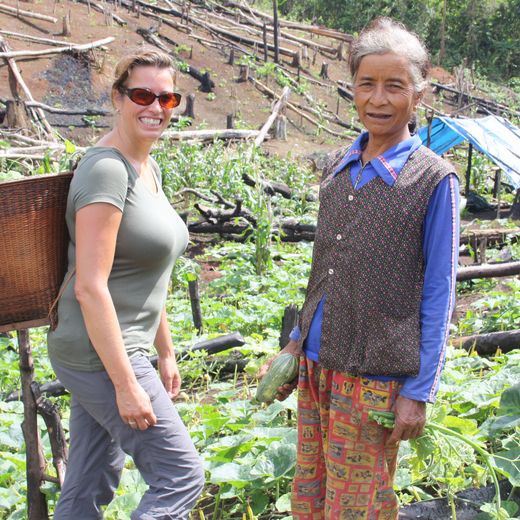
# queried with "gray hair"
point(386, 35)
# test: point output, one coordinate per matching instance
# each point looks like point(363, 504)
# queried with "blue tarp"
point(493, 136)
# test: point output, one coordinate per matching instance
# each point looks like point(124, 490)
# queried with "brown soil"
point(67, 82)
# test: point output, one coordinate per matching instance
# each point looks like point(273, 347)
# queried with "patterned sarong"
point(343, 471)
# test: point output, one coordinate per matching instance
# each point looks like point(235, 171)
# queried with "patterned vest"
point(368, 261)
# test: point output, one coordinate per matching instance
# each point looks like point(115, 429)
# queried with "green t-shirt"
point(151, 237)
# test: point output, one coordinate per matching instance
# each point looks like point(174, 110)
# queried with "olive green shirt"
point(150, 238)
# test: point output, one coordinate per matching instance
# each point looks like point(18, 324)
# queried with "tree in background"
point(484, 34)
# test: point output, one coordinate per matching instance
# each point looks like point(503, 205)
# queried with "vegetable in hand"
point(283, 370)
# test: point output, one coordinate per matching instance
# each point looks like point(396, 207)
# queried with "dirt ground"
point(83, 81)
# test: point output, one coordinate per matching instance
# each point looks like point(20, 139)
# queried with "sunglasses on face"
point(145, 97)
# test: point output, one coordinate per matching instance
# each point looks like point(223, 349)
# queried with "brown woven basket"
point(33, 248)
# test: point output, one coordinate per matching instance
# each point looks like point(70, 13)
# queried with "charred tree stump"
point(193, 287)
point(289, 321)
point(66, 25)
point(341, 51)
point(16, 115)
point(230, 121)
point(305, 54)
point(36, 503)
point(243, 74)
point(206, 84)
point(280, 128)
point(231, 59)
point(324, 72)
point(189, 111)
point(296, 62)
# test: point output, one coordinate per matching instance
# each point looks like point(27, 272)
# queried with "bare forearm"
point(105, 334)
point(163, 340)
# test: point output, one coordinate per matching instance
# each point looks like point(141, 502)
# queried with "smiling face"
point(144, 123)
point(384, 96)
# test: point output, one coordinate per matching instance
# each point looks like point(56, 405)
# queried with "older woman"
point(374, 325)
point(125, 238)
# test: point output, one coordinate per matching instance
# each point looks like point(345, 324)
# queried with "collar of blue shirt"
point(387, 165)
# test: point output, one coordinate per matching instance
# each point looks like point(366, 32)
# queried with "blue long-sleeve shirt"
point(440, 252)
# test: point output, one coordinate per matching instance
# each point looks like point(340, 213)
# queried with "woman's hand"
point(410, 418)
point(170, 376)
point(284, 391)
point(135, 407)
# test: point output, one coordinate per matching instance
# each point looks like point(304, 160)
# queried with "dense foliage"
point(249, 448)
point(483, 34)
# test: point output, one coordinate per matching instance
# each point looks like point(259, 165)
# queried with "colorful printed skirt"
point(344, 471)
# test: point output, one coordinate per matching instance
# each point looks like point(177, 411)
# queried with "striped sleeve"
point(440, 249)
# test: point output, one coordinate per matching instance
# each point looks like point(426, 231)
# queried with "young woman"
point(125, 238)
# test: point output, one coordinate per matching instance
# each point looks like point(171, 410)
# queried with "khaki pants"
point(164, 454)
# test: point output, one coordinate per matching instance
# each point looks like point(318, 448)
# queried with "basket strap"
point(52, 309)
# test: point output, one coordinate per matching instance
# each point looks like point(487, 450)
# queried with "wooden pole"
point(276, 32)
point(515, 210)
point(36, 503)
point(468, 169)
point(264, 38)
point(193, 287)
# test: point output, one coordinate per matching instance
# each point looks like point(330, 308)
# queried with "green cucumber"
point(282, 370)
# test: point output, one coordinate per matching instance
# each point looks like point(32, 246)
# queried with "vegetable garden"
point(249, 448)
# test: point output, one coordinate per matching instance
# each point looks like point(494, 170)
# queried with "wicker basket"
point(33, 248)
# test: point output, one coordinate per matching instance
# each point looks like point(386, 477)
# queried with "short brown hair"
point(142, 58)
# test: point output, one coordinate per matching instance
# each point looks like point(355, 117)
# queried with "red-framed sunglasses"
point(145, 97)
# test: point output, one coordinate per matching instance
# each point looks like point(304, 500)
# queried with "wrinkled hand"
point(170, 375)
point(135, 406)
point(284, 391)
point(410, 418)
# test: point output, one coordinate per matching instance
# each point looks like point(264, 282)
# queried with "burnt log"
point(54, 388)
point(488, 271)
point(488, 344)
point(345, 93)
point(466, 503)
point(487, 104)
